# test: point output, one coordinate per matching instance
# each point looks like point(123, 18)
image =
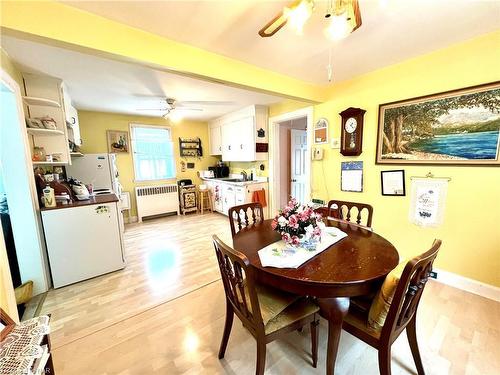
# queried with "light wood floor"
point(164, 315)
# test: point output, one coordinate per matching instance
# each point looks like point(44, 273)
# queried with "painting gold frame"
point(447, 128)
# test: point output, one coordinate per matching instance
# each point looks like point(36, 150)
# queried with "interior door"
point(298, 160)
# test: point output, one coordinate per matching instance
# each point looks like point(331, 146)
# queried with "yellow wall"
point(470, 234)
point(93, 126)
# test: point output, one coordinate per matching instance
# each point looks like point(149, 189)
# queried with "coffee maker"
point(220, 170)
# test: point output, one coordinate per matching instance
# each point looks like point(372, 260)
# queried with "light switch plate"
point(335, 143)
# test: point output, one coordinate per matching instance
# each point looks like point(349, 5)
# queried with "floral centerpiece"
point(298, 224)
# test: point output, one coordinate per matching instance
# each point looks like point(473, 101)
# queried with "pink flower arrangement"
point(296, 222)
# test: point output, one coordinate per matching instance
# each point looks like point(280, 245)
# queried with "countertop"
point(236, 183)
point(98, 199)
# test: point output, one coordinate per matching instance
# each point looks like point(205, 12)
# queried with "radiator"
point(156, 200)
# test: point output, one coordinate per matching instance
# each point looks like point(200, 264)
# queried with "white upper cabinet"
point(215, 134)
point(243, 135)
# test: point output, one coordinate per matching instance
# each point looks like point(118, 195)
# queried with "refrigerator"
point(97, 169)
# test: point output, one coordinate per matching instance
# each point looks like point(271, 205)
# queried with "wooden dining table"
point(354, 266)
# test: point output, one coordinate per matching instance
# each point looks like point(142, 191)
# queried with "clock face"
point(350, 125)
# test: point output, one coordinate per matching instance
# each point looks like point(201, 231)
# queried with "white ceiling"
point(392, 31)
point(100, 84)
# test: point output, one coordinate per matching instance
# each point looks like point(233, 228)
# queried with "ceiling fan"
point(171, 105)
point(345, 18)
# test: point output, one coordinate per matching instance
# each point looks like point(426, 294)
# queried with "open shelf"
point(76, 154)
point(31, 100)
point(50, 163)
point(38, 131)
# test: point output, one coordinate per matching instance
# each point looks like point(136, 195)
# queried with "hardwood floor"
point(164, 314)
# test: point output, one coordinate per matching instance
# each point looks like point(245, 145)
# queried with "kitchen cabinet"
point(228, 198)
point(243, 135)
point(215, 138)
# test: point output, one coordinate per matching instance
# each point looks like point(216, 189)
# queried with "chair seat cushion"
point(271, 301)
point(382, 301)
point(279, 308)
point(300, 309)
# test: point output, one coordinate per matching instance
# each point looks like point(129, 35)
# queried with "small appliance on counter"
point(220, 170)
point(207, 174)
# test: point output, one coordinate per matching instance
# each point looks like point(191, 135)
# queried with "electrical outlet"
point(335, 143)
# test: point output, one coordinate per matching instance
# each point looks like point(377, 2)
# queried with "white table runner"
point(281, 255)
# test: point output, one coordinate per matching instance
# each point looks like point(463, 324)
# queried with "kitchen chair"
point(342, 210)
point(267, 313)
point(240, 215)
point(366, 322)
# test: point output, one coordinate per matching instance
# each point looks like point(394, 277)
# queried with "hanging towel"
point(259, 196)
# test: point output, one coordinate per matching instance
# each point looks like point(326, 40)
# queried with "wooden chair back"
point(239, 285)
point(245, 215)
point(342, 210)
point(408, 292)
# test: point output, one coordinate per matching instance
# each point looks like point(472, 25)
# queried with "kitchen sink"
point(233, 180)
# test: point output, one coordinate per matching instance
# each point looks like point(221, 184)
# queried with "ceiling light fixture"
point(175, 116)
point(345, 18)
point(298, 15)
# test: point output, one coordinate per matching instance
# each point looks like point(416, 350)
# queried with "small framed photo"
point(393, 182)
point(117, 141)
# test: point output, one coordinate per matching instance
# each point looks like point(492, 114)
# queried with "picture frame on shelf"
point(458, 127)
point(393, 182)
point(118, 141)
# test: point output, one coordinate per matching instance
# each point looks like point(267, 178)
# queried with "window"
point(153, 153)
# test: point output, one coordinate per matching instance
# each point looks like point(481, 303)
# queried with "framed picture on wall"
point(393, 182)
point(459, 127)
point(118, 141)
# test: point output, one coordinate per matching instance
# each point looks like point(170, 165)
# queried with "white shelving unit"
point(37, 131)
point(44, 98)
point(31, 100)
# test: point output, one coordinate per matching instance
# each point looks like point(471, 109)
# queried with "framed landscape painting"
point(459, 127)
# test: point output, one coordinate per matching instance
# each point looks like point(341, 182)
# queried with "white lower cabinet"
point(228, 198)
point(83, 242)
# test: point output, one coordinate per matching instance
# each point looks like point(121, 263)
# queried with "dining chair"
point(401, 313)
point(342, 210)
point(267, 313)
point(240, 216)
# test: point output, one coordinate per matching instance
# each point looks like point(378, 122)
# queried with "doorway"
point(293, 146)
point(290, 163)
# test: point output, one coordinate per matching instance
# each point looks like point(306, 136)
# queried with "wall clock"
point(351, 139)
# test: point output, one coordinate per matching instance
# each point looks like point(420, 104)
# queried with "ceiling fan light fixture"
point(298, 15)
point(175, 116)
point(339, 27)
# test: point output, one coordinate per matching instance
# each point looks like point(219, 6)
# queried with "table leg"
point(334, 310)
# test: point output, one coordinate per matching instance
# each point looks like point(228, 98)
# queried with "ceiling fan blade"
point(187, 109)
point(273, 26)
point(203, 102)
point(357, 14)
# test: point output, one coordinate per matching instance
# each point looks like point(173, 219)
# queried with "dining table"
point(354, 266)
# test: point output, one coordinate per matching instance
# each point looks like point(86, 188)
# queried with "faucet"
point(244, 175)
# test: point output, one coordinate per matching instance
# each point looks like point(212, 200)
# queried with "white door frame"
point(33, 263)
point(274, 153)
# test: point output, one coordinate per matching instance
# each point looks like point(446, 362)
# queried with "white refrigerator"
point(97, 169)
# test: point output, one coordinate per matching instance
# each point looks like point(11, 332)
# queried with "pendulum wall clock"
point(351, 139)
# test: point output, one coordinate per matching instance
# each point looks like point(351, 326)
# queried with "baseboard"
point(469, 285)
